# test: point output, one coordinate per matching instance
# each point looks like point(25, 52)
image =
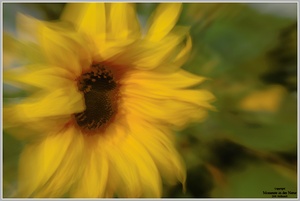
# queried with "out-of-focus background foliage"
point(247, 146)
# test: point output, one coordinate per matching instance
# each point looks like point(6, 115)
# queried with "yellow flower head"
point(105, 98)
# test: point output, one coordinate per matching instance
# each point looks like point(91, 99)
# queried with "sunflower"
point(104, 101)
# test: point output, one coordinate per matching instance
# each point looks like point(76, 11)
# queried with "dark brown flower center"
point(100, 94)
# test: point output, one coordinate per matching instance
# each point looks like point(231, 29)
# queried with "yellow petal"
point(166, 111)
point(159, 144)
point(45, 78)
point(173, 103)
point(123, 22)
point(89, 18)
point(163, 20)
point(49, 167)
point(201, 98)
point(123, 175)
point(28, 27)
point(92, 184)
point(122, 30)
point(110, 48)
point(184, 53)
point(147, 171)
point(132, 170)
point(16, 53)
point(30, 129)
point(61, 102)
point(176, 80)
point(147, 55)
point(64, 48)
point(172, 87)
point(59, 41)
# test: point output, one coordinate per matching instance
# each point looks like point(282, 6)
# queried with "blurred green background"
point(247, 146)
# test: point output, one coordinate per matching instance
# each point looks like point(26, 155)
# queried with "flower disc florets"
point(100, 94)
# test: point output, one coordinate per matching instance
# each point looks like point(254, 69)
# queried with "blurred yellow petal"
point(178, 80)
point(122, 30)
point(32, 129)
point(200, 98)
point(147, 171)
point(172, 87)
point(110, 48)
point(146, 55)
point(45, 78)
point(61, 102)
point(132, 170)
point(44, 164)
point(172, 104)
point(28, 27)
point(123, 22)
point(64, 48)
point(163, 20)
point(166, 111)
point(17, 52)
point(88, 18)
point(160, 145)
point(93, 182)
point(184, 53)
point(123, 175)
